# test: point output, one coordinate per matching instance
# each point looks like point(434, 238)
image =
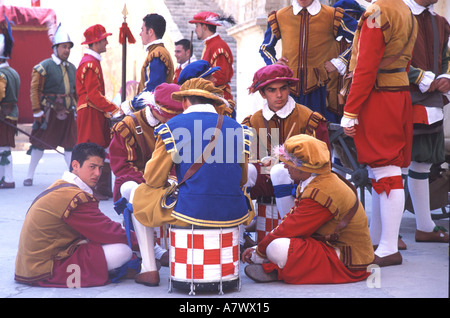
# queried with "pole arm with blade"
point(124, 57)
point(2, 119)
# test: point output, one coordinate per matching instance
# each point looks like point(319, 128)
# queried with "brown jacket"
point(304, 120)
point(399, 28)
point(354, 242)
point(45, 237)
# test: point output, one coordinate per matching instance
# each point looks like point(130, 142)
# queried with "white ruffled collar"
point(58, 61)
point(93, 53)
point(304, 184)
point(210, 37)
point(202, 108)
point(282, 113)
point(158, 41)
point(313, 8)
point(152, 121)
point(417, 9)
point(73, 178)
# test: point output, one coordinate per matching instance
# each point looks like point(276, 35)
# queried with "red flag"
point(125, 31)
point(35, 3)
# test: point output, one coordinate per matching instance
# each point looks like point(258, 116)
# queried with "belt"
point(394, 70)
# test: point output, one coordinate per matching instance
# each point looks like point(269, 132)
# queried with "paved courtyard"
point(423, 274)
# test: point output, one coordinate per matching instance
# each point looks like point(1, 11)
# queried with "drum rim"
point(199, 227)
point(227, 278)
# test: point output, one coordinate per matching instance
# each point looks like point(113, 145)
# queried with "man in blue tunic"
point(210, 148)
point(158, 65)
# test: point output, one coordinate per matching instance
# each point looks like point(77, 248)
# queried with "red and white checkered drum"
point(267, 219)
point(162, 236)
point(204, 258)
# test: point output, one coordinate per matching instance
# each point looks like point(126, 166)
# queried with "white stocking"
point(391, 210)
point(241, 234)
point(280, 176)
point(146, 240)
point(145, 236)
point(7, 170)
point(375, 219)
point(116, 255)
point(277, 251)
point(419, 190)
point(36, 155)
point(252, 174)
point(127, 189)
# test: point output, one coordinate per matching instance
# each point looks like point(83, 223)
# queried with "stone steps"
point(183, 11)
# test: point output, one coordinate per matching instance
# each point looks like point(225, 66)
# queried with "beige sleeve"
point(158, 167)
point(37, 83)
point(3, 82)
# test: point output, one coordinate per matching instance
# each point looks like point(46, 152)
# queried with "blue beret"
point(196, 69)
point(350, 6)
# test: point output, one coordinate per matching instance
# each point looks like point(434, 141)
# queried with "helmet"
point(61, 36)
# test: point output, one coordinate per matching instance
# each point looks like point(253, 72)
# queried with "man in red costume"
point(133, 140)
point(66, 241)
point(216, 51)
point(184, 56)
point(324, 239)
point(94, 110)
point(378, 115)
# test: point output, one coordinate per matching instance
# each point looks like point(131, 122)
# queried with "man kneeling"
point(66, 241)
point(325, 236)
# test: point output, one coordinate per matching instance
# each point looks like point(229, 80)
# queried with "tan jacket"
point(399, 28)
point(354, 243)
point(309, 41)
point(45, 237)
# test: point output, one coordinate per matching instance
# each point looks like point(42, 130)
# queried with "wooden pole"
point(124, 57)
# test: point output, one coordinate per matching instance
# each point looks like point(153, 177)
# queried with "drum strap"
point(333, 237)
point(206, 152)
point(391, 59)
point(172, 191)
point(63, 185)
point(140, 134)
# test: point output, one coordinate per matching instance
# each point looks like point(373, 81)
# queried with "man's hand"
point(350, 131)
point(329, 67)
point(247, 255)
point(442, 85)
point(282, 61)
point(40, 119)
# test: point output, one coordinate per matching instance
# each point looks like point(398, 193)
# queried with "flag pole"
point(124, 57)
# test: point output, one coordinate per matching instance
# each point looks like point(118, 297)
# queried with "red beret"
point(164, 103)
point(206, 17)
point(95, 33)
point(272, 73)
